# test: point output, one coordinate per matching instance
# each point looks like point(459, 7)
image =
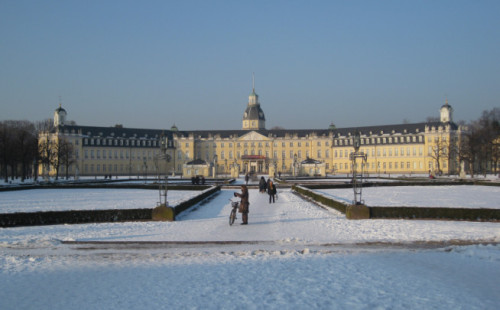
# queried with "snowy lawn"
point(37, 200)
point(458, 196)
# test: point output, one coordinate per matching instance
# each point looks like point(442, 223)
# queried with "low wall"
point(95, 216)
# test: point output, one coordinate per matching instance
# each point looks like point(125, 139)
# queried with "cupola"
point(446, 113)
point(59, 116)
point(253, 117)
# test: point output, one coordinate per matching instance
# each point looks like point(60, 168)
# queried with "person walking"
point(262, 185)
point(271, 190)
point(244, 204)
point(247, 177)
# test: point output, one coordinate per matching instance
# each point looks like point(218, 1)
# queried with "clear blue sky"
point(152, 64)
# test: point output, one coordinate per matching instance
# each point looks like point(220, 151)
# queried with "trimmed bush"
point(339, 206)
point(459, 214)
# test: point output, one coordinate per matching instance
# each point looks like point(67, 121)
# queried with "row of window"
point(402, 151)
point(115, 154)
point(384, 140)
point(119, 142)
point(262, 144)
point(230, 155)
point(390, 165)
point(98, 168)
point(347, 141)
point(382, 166)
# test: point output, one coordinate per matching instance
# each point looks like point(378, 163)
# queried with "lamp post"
point(357, 175)
point(163, 183)
point(358, 210)
point(145, 166)
point(215, 166)
point(162, 212)
point(295, 164)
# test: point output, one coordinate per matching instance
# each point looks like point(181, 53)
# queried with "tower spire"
point(253, 82)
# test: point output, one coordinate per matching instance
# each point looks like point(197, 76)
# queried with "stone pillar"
point(462, 170)
point(272, 170)
point(357, 212)
point(163, 213)
point(235, 171)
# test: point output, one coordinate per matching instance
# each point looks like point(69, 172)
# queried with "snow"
point(37, 200)
point(463, 196)
point(293, 254)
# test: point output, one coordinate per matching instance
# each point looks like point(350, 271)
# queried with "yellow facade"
point(418, 148)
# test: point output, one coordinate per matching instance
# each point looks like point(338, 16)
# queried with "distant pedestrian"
point(271, 190)
point(247, 177)
point(262, 185)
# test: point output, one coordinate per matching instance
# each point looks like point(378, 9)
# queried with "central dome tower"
point(253, 118)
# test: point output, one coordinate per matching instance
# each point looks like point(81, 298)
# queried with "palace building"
point(417, 148)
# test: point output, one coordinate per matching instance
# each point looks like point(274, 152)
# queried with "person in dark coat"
point(262, 185)
point(247, 177)
point(271, 190)
point(244, 204)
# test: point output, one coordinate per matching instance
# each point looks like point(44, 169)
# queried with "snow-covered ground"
point(37, 200)
point(293, 255)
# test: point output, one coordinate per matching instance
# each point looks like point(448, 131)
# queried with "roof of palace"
point(141, 133)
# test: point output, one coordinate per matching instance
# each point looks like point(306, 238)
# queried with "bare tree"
point(44, 126)
point(25, 143)
point(470, 146)
point(432, 119)
point(439, 151)
point(490, 138)
point(46, 153)
point(6, 152)
point(65, 155)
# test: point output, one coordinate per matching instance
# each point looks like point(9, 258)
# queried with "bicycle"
point(232, 215)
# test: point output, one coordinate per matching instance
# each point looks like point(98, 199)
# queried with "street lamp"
point(295, 164)
point(357, 176)
point(215, 166)
point(357, 141)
